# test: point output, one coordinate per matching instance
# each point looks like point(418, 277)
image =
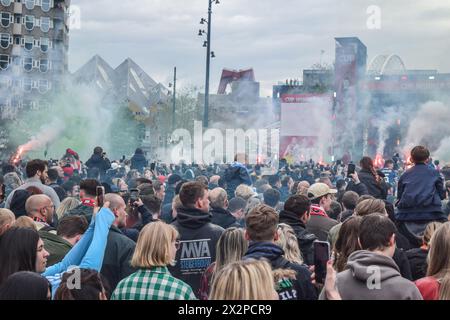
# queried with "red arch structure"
point(228, 76)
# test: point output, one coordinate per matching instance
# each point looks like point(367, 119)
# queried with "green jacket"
point(56, 246)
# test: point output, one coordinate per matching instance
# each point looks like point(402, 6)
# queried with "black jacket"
point(300, 288)
point(138, 162)
point(198, 239)
point(378, 191)
point(304, 238)
point(401, 260)
point(99, 162)
point(223, 218)
point(118, 253)
point(417, 258)
point(360, 188)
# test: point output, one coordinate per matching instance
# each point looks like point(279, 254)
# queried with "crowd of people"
point(223, 232)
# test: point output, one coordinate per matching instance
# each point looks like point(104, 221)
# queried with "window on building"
point(45, 24)
point(17, 40)
point(6, 3)
point(29, 23)
point(6, 19)
point(45, 5)
point(30, 4)
point(28, 64)
point(45, 44)
point(5, 40)
point(27, 84)
point(43, 67)
point(18, 18)
point(43, 85)
point(28, 43)
point(4, 61)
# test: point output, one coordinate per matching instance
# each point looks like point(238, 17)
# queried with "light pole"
point(174, 103)
point(209, 55)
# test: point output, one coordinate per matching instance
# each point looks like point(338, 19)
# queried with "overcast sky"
point(277, 38)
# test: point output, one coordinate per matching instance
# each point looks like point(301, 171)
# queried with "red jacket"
point(429, 288)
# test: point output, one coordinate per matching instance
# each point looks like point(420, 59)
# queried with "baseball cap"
point(318, 190)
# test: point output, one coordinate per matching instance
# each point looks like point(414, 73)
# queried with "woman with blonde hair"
point(287, 240)
point(230, 247)
point(66, 205)
point(7, 220)
point(436, 285)
point(155, 249)
point(244, 280)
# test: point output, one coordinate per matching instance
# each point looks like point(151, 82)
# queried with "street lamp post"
point(209, 55)
point(174, 97)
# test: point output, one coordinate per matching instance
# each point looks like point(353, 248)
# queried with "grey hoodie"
point(372, 276)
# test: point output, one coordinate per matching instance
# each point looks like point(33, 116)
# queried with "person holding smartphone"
point(353, 182)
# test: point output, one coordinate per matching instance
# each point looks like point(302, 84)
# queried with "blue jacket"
point(138, 162)
point(235, 175)
point(420, 191)
point(87, 253)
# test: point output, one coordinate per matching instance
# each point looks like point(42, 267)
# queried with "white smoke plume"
point(431, 127)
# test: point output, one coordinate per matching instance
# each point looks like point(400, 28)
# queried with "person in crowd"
point(219, 209)
point(24, 222)
point(236, 206)
point(72, 189)
point(236, 174)
point(98, 164)
point(286, 187)
point(231, 247)
point(172, 183)
point(91, 286)
point(436, 284)
point(287, 240)
point(261, 231)
point(193, 223)
point(7, 220)
point(138, 161)
point(155, 250)
point(40, 208)
point(25, 285)
point(376, 186)
point(349, 201)
point(119, 248)
point(12, 181)
point(274, 182)
point(21, 249)
point(68, 204)
point(213, 182)
point(357, 282)
point(420, 191)
point(296, 213)
point(355, 184)
point(320, 223)
point(88, 196)
point(59, 242)
point(417, 257)
point(36, 171)
point(335, 210)
point(160, 190)
point(245, 192)
point(272, 198)
point(244, 280)
point(176, 205)
point(53, 177)
point(303, 187)
point(347, 242)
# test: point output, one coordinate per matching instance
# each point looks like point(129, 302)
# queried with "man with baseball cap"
point(321, 197)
